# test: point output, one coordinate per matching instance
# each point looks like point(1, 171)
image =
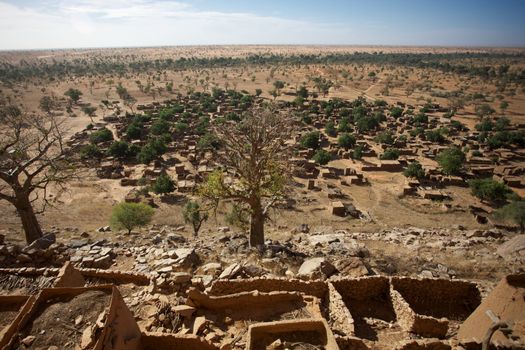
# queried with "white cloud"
point(83, 23)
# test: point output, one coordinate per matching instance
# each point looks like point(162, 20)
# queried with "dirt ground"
point(56, 322)
point(87, 203)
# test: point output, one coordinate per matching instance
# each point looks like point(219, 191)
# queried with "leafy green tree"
point(159, 127)
point(101, 135)
point(258, 92)
point(364, 124)
point(484, 110)
point(147, 154)
point(90, 151)
point(419, 119)
point(195, 216)
point(515, 212)
point(435, 136)
point(357, 153)
point(47, 104)
point(386, 137)
point(390, 154)
point(485, 125)
point(396, 112)
point(163, 184)
point(415, 170)
point(303, 92)
point(344, 125)
point(73, 94)
point(119, 149)
point(310, 140)
point(502, 124)
point(489, 190)
point(89, 110)
point(322, 157)
point(130, 215)
point(346, 140)
point(134, 131)
point(330, 129)
point(451, 160)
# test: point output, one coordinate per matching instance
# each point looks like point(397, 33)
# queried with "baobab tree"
point(32, 157)
point(255, 152)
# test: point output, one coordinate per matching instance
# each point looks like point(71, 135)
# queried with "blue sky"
point(31, 24)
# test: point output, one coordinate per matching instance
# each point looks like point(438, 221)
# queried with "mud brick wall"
point(454, 300)
point(318, 289)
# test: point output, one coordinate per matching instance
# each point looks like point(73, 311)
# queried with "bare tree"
point(32, 156)
point(254, 150)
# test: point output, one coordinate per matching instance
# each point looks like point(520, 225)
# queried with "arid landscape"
point(263, 197)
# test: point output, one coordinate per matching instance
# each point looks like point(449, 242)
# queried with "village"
point(350, 283)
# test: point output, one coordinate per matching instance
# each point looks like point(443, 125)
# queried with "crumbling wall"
point(452, 299)
point(410, 321)
point(341, 320)
point(17, 305)
point(266, 285)
point(160, 341)
point(261, 335)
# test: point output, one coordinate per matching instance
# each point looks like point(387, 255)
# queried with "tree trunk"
point(31, 226)
point(257, 225)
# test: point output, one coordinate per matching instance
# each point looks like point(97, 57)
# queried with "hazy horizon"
point(69, 24)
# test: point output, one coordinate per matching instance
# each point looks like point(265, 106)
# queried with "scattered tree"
point(195, 216)
point(163, 184)
point(322, 157)
point(32, 157)
point(514, 211)
point(451, 160)
point(131, 215)
point(255, 150)
point(489, 190)
point(415, 170)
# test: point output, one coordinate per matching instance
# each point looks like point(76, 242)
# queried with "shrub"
point(194, 215)
point(385, 137)
point(163, 184)
point(160, 127)
point(208, 141)
point(485, 125)
point(357, 153)
point(134, 131)
point(489, 190)
point(396, 112)
point(119, 149)
point(514, 211)
point(414, 170)
point(435, 136)
point(346, 140)
point(451, 160)
point(457, 125)
point(502, 124)
point(330, 129)
point(310, 140)
point(181, 127)
point(130, 215)
point(390, 154)
point(421, 118)
point(366, 123)
point(101, 135)
point(344, 125)
point(146, 154)
point(322, 157)
point(90, 151)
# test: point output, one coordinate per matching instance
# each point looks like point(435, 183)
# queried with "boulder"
point(231, 271)
point(316, 268)
point(512, 246)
